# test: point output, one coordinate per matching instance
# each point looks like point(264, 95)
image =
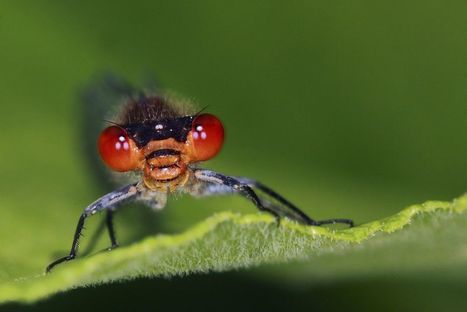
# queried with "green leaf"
point(228, 241)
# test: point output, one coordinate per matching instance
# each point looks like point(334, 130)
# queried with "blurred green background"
point(349, 108)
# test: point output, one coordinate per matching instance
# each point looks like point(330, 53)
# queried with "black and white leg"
point(110, 228)
point(216, 183)
point(288, 204)
point(107, 202)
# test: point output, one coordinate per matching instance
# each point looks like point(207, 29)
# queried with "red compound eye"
point(208, 135)
point(117, 150)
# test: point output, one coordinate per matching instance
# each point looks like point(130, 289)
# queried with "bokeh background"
point(349, 108)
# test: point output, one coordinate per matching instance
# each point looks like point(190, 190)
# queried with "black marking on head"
point(154, 118)
point(176, 128)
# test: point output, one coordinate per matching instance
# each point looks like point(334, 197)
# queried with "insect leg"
point(110, 227)
point(302, 216)
point(298, 214)
point(215, 185)
point(226, 184)
point(94, 238)
point(107, 202)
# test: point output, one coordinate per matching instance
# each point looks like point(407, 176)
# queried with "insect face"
point(162, 149)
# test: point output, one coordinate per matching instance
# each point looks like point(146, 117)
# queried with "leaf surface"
point(228, 241)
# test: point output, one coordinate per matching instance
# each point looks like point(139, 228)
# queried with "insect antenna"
point(200, 111)
point(112, 123)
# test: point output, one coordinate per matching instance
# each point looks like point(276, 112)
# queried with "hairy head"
point(156, 136)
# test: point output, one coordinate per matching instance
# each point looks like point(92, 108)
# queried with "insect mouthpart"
point(163, 165)
point(162, 153)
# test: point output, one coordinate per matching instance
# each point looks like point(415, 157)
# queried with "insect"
point(154, 138)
